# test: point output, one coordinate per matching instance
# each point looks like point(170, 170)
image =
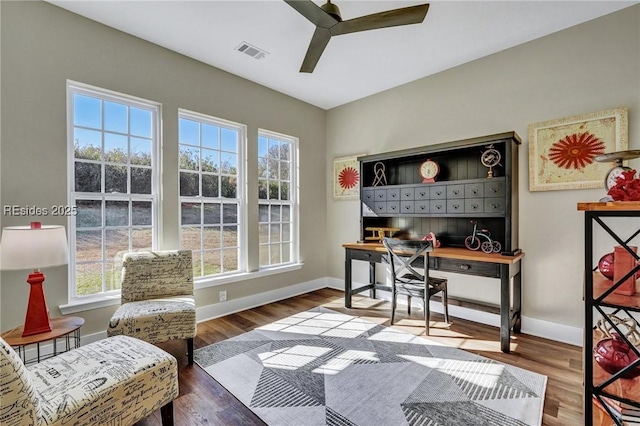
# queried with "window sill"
point(205, 282)
point(88, 304)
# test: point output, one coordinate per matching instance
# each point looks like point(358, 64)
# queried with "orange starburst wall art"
point(561, 152)
point(346, 178)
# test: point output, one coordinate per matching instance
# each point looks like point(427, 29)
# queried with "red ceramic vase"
point(613, 354)
point(605, 265)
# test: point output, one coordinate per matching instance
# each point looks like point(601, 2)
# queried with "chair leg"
point(445, 302)
point(425, 300)
point(166, 412)
point(408, 305)
point(393, 306)
point(190, 350)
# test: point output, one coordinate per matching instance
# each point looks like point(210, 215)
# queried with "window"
point(113, 176)
point(211, 196)
point(277, 210)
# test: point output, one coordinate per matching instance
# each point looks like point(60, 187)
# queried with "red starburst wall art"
point(346, 178)
point(562, 152)
point(576, 151)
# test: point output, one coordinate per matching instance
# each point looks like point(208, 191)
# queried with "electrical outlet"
point(223, 296)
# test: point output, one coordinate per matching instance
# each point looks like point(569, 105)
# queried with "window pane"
point(197, 263)
point(141, 239)
point(284, 170)
point(210, 161)
point(229, 213)
point(140, 151)
point(229, 139)
point(142, 213)
point(115, 179)
point(88, 177)
point(190, 238)
point(140, 122)
point(88, 279)
point(273, 169)
point(229, 163)
point(275, 213)
point(263, 146)
point(211, 237)
point(262, 189)
point(286, 232)
point(87, 144)
point(262, 167)
point(88, 245)
point(86, 111)
point(115, 117)
point(286, 252)
point(263, 234)
point(286, 213)
point(263, 213)
point(189, 184)
point(228, 187)
point(189, 158)
point(210, 186)
point(264, 255)
point(89, 213)
point(116, 242)
point(275, 254)
point(116, 213)
point(273, 191)
point(212, 262)
point(189, 132)
point(284, 191)
point(275, 232)
point(140, 180)
point(230, 260)
point(274, 149)
point(230, 236)
point(285, 149)
point(210, 136)
point(211, 214)
point(115, 148)
point(190, 214)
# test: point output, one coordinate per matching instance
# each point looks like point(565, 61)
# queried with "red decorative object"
point(613, 354)
point(348, 177)
point(624, 262)
point(576, 151)
point(627, 187)
point(606, 265)
point(37, 320)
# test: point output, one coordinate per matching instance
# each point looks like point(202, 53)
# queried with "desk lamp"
point(34, 247)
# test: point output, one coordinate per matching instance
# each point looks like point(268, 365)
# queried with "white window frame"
point(78, 303)
point(294, 256)
point(240, 200)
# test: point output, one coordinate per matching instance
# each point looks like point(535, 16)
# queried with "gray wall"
point(587, 68)
point(43, 46)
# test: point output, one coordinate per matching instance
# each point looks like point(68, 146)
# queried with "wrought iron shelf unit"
point(606, 394)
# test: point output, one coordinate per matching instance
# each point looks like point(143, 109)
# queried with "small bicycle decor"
point(475, 240)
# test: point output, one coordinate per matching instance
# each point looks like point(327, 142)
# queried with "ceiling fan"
point(329, 23)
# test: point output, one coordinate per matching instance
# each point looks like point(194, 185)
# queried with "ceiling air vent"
point(251, 50)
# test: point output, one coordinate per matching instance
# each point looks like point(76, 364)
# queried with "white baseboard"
point(533, 326)
point(221, 309)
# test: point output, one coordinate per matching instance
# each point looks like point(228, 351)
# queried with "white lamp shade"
point(22, 247)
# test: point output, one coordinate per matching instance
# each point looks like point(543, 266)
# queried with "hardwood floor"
point(202, 401)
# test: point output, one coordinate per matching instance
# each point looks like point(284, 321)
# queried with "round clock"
point(429, 170)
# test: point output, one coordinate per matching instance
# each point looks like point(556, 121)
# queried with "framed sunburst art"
point(561, 152)
point(346, 178)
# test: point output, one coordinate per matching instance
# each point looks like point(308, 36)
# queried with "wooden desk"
point(61, 327)
point(451, 259)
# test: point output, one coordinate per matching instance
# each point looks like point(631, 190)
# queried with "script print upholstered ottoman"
point(115, 381)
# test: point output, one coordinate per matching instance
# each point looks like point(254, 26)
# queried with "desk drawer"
point(369, 256)
point(468, 267)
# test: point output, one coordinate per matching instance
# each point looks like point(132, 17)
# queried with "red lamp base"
point(37, 320)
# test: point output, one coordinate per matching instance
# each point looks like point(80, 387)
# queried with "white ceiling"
point(353, 65)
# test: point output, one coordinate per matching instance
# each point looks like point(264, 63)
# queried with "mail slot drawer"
point(393, 194)
point(421, 206)
point(494, 205)
point(473, 190)
point(421, 192)
point(438, 206)
point(406, 206)
point(495, 188)
point(407, 193)
point(368, 195)
point(483, 269)
point(455, 206)
point(438, 192)
point(473, 205)
point(393, 207)
point(381, 195)
point(455, 191)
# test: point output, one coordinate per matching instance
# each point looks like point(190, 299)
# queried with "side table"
point(67, 328)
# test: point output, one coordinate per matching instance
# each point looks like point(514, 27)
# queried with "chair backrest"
point(18, 401)
point(156, 274)
point(401, 254)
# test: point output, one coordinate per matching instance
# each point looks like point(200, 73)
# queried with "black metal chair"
point(401, 256)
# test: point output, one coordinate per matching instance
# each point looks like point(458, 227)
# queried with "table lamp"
point(34, 247)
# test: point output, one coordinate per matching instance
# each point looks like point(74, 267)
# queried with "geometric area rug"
point(321, 367)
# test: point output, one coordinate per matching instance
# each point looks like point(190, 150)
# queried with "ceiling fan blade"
point(390, 18)
point(313, 13)
point(318, 43)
